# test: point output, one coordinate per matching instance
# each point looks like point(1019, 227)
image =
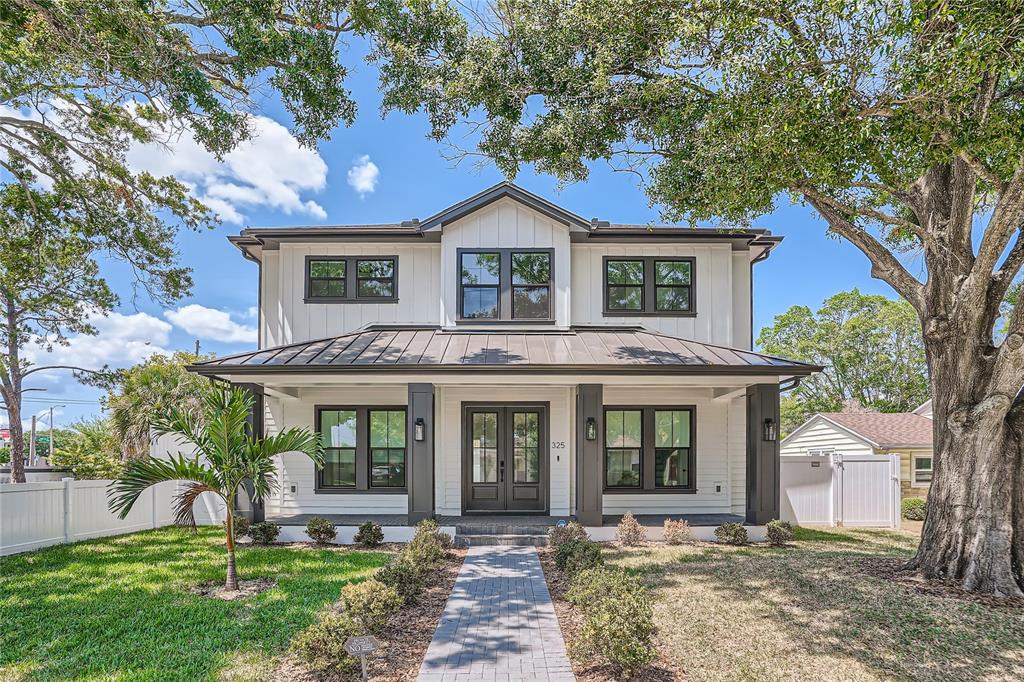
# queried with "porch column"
point(420, 465)
point(255, 512)
point(589, 467)
point(762, 454)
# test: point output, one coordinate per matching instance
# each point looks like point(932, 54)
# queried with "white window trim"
point(913, 471)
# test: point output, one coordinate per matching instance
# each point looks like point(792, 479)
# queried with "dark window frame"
point(505, 286)
point(352, 280)
point(363, 463)
point(648, 295)
point(648, 451)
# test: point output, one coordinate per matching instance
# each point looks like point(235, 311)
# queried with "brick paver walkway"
point(499, 623)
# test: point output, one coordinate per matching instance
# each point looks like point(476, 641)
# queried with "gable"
point(819, 432)
point(506, 223)
point(501, 192)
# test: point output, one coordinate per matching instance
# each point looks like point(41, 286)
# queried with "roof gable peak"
point(503, 190)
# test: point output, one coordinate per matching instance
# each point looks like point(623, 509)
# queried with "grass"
point(808, 612)
point(121, 608)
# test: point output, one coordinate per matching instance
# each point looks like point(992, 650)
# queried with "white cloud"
point(208, 323)
point(121, 341)
point(362, 176)
point(271, 170)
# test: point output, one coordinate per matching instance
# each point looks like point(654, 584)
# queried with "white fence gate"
point(841, 490)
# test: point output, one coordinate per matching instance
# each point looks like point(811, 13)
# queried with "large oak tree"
point(900, 121)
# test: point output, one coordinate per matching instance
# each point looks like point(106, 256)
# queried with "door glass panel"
point(526, 447)
point(484, 437)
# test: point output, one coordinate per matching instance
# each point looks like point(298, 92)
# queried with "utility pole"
point(32, 444)
point(49, 450)
point(197, 347)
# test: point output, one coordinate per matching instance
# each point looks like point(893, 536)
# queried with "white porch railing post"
point(68, 531)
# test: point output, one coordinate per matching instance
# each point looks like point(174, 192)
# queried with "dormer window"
point(351, 279)
point(505, 285)
point(648, 285)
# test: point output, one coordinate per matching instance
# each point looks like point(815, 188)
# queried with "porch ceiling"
point(581, 350)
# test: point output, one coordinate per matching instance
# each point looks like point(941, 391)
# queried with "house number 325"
point(558, 445)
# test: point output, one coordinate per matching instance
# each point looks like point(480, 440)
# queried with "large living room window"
point(364, 449)
point(649, 449)
point(648, 285)
point(351, 279)
point(505, 285)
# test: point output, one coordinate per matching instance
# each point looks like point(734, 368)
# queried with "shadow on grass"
point(122, 607)
point(807, 611)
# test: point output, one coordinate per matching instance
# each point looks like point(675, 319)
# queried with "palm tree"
point(225, 456)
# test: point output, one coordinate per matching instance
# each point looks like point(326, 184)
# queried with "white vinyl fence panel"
point(35, 515)
point(841, 490)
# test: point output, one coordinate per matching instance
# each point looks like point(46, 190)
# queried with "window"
point(923, 470)
point(649, 449)
point(648, 286)
point(505, 284)
point(364, 449)
point(351, 279)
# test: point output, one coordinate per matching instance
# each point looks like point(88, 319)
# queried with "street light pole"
point(32, 444)
point(49, 449)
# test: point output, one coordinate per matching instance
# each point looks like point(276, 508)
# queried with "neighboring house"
point(506, 355)
point(907, 434)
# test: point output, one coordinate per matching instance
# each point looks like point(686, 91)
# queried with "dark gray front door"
point(505, 458)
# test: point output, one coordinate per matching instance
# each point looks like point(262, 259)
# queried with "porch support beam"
point(420, 464)
point(762, 455)
point(726, 394)
point(254, 511)
point(589, 467)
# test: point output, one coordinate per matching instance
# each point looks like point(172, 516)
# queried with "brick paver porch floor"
point(499, 623)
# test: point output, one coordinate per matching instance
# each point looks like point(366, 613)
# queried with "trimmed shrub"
point(403, 577)
point(559, 535)
point(618, 617)
point(371, 603)
point(428, 548)
point(779, 532)
point(913, 508)
point(369, 534)
point(264, 533)
point(629, 532)
point(321, 531)
point(430, 527)
point(731, 534)
point(677, 531)
point(240, 526)
point(322, 644)
point(576, 555)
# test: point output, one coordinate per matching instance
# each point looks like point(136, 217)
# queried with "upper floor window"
point(351, 279)
point(648, 285)
point(505, 284)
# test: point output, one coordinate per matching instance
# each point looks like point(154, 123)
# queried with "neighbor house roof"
point(885, 430)
point(578, 350)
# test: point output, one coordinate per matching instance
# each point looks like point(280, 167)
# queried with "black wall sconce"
point(591, 428)
point(419, 429)
point(771, 430)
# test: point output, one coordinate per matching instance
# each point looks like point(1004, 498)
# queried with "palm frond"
point(184, 503)
point(139, 475)
point(293, 440)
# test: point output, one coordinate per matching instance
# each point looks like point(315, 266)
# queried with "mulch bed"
point(570, 620)
point(404, 642)
point(246, 588)
point(894, 570)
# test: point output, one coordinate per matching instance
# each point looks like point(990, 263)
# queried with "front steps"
point(525, 533)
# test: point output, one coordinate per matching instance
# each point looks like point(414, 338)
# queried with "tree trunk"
point(17, 440)
point(10, 390)
point(232, 578)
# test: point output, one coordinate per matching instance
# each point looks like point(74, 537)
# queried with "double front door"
point(505, 457)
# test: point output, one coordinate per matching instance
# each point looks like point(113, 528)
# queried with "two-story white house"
point(508, 356)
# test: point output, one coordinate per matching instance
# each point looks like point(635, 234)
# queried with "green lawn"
point(810, 612)
point(120, 608)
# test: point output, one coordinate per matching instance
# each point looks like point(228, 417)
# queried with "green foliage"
point(404, 577)
point(871, 349)
point(677, 531)
point(240, 525)
point(629, 532)
point(371, 603)
point(576, 555)
point(321, 531)
point(618, 617)
point(322, 645)
point(779, 532)
point(559, 535)
point(90, 450)
point(731, 534)
point(369, 534)
point(913, 508)
point(428, 548)
point(264, 532)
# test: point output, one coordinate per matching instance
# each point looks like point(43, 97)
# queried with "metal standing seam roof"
point(584, 349)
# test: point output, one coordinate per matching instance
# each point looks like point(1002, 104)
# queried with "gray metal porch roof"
point(590, 350)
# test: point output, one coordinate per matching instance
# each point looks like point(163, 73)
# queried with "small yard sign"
point(360, 647)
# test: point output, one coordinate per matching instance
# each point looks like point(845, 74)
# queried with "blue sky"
point(272, 182)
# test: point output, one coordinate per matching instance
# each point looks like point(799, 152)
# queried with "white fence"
point(34, 515)
point(841, 490)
